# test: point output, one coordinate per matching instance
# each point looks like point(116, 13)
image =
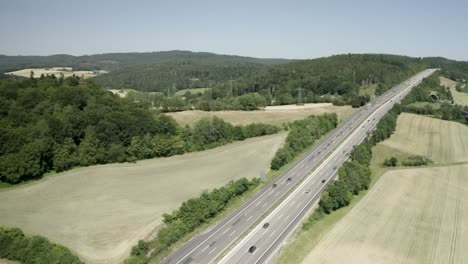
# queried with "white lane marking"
point(280, 215)
point(225, 231)
point(272, 233)
point(293, 202)
point(264, 204)
point(249, 217)
point(209, 253)
point(258, 203)
point(232, 233)
point(205, 248)
point(276, 194)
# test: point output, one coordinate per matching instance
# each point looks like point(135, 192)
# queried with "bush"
point(14, 245)
point(416, 161)
point(391, 162)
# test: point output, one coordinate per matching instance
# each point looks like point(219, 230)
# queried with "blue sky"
point(286, 29)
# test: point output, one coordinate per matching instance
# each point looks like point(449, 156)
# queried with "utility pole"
point(299, 97)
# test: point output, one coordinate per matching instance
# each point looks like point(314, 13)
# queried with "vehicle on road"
point(323, 181)
point(274, 185)
point(288, 180)
point(252, 249)
point(266, 225)
point(335, 167)
point(307, 191)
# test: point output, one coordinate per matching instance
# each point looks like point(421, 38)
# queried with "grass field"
point(373, 232)
point(441, 141)
point(66, 71)
point(193, 91)
point(459, 97)
point(100, 212)
point(409, 216)
point(271, 115)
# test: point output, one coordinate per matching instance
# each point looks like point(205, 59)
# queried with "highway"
point(289, 200)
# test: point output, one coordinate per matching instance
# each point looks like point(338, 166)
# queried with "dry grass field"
point(441, 141)
point(459, 97)
point(100, 212)
point(66, 71)
point(409, 216)
point(271, 115)
point(413, 215)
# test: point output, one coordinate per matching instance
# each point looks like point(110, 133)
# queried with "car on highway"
point(323, 181)
point(335, 167)
point(307, 191)
point(252, 249)
point(265, 225)
point(289, 179)
point(274, 185)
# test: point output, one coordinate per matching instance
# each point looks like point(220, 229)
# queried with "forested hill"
point(51, 123)
point(343, 77)
point(114, 61)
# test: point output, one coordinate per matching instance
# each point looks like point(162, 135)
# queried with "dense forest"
point(14, 245)
point(55, 124)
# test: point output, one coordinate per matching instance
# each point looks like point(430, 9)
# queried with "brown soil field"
point(100, 212)
point(271, 115)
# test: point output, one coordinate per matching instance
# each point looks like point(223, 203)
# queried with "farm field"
point(100, 212)
point(271, 115)
point(66, 71)
point(374, 228)
point(409, 216)
point(442, 141)
point(459, 97)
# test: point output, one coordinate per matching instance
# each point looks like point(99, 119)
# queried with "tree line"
point(354, 175)
point(56, 124)
point(14, 245)
point(190, 215)
point(445, 108)
point(302, 134)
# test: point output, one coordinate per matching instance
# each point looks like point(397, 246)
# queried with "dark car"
point(323, 181)
point(274, 185)
point(252, 249)
point(266, 225)
point(288, 180)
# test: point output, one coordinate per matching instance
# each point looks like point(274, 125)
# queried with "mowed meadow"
point(410, 215)
point(100, 212)
point(275, 115)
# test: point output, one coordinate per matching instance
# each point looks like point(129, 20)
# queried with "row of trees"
point(190, 215)
point(354, 175)
point(303, 134)
point(55, 124)
point(14, 245)
point(411, 161)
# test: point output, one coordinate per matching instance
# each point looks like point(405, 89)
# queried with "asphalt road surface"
point(297, 191)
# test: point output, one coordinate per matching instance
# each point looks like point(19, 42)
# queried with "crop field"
point(459, 97)
point(415, 215)
point(409, 216)
point(271, 115)
point(66, 71)
point(442, 141)
point(100, 212)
